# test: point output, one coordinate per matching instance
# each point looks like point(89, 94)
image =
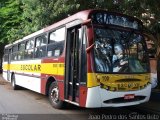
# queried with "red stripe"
point(54, 60)
point(82, 96)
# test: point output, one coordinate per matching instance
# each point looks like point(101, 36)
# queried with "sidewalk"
point(153, 105)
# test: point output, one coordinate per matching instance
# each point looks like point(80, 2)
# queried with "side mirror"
point(89, 48)
point(86, 22)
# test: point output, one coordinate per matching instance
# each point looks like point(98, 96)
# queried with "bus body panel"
point(96, 97)
point(5, 67)
point(100, 89)
point(32, 83)
point(83, 91)
point(5, 75)
point(57, 73)
point(27, 74)
point(33, 74)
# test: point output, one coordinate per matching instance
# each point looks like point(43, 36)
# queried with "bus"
point(92, 59)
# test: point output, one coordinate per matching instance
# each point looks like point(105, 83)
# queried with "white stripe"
point(31, 83)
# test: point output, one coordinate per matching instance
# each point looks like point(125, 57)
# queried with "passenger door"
point(72, 68)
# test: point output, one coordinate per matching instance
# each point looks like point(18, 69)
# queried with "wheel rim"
point(54, 95)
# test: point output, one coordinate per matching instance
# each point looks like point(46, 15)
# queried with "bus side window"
point(56, 43)
point(40, 50)
point(21, 49)
point(29, 49)
point(6, 51)
point(14, 52)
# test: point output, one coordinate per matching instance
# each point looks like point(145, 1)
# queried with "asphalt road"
point(25, 104)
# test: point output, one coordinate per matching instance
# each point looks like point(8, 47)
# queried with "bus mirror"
point(89, 48)
point(86, 22)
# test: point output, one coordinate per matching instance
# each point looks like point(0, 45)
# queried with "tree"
point(11, 17)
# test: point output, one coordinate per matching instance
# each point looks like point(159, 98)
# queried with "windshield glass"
point(119, 51)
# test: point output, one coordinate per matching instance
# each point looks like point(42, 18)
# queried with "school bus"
point(93, 58)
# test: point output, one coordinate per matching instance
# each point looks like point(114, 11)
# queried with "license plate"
point(128, 85)
point(129, 96)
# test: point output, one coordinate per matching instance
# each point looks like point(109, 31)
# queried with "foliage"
point(22, 17)
point(11, 18)
point(19, 18)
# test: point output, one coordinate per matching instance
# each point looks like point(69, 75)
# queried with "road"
point(25, 104)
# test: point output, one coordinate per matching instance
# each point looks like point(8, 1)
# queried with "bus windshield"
point(119, 51)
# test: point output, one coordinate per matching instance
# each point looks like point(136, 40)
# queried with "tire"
point(13, 83)
point(54, 96)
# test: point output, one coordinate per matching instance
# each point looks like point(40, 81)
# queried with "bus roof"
point(82, 15)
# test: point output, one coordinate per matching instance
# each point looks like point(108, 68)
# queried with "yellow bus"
point(93, 58)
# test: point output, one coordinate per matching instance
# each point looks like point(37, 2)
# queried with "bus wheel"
point(54, 96)
point(13, 82)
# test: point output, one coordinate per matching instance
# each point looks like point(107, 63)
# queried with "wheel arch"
point(50, 80)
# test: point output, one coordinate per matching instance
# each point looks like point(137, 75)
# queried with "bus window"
point(15, 48)
point(29, 49)
point(56, 42)
point(14, 52)
point(40, 50)
point(137, 57)
point(114, 53)
point(21, 48)
point(30, 44)
point(5, 55)
point(5, 58)
point(41, 40)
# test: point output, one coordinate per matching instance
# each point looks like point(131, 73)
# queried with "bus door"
point(72, 69)
point(8, 62)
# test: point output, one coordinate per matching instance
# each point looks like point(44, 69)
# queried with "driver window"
point(103, 51)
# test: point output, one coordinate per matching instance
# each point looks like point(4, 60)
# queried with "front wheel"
point(54, 96)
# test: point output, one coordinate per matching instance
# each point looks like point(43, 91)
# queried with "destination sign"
point(114, 19)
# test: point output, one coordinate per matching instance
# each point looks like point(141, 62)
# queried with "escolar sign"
point(31, 67)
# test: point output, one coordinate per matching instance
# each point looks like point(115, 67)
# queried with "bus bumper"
point(98, 97)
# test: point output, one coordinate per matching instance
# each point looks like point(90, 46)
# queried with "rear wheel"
point(54, 96)
point(13, 82)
